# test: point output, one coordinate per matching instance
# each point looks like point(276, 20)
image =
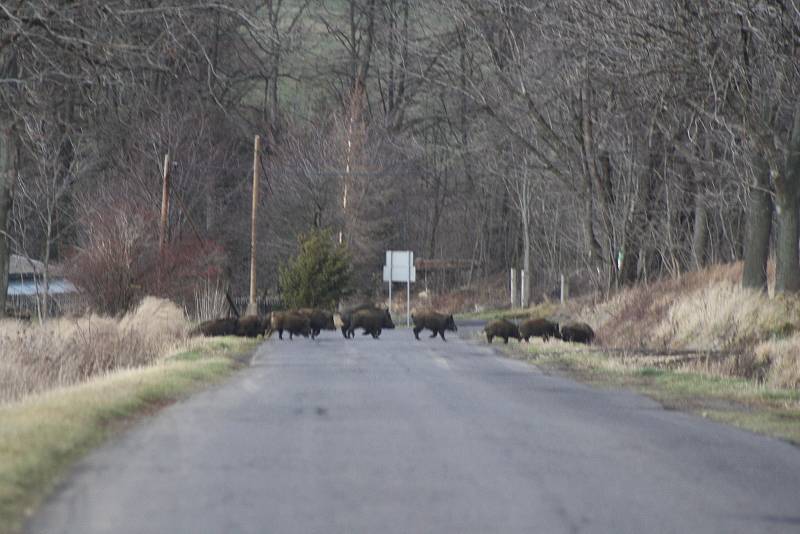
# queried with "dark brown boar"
point(347, 315)
point(501, 328)
point(251, 326)
point(217, 327)
point(577, 333)
point(372, 321)
point(297, 324)
point(538, 328)
point(433, 321)
point(319, 320)
point(291, 321)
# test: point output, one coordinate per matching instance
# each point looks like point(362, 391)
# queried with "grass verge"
point(42, 435)
point(736, 401)
point(540, 310)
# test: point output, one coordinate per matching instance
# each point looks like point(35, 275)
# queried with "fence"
point(26, 306)
point(264, 305)
point(57, 304)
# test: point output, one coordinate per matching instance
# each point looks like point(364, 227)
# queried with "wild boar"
point(538, 328)
point(433, 321)
point(372, 321)
point(501, 328)
point(577, 332)
point(347, 315)
point(291, 321)
point(319, 320)
point(251, 326)
point(217, 327)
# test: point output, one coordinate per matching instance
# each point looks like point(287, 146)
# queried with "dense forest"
point(612, 141)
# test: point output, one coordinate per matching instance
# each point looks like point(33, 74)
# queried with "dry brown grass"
point(209, 302)
point(780, 359)
point(631, 317)
point(36, 358)
point(708, 310)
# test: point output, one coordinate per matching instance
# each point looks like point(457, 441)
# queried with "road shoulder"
point(43, 435)
point(739, 402)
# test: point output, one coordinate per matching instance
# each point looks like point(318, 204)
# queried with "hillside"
point(703, 321)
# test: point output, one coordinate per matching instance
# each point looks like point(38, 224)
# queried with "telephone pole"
point(252, 306)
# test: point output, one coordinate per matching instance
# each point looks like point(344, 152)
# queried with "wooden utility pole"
point(252, 306)
point(162, 230)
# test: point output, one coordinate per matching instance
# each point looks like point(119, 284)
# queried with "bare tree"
point(42, 190)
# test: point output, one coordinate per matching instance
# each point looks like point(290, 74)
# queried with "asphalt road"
point(400, 436)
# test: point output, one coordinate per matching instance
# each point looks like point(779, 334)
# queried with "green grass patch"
point(737, 401)
point(540, 310)
point(42, 435)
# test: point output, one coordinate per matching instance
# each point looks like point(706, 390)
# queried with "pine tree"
point(319, 276)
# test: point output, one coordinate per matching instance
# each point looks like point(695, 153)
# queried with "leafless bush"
point(119, 260)
point(36, 358)
point(118, 254)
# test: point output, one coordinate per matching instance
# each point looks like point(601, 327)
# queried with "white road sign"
point(399, 266)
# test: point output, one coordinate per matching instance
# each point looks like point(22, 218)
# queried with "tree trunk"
point(211, 203)
point(787, 194)
point(7, 181)
point(526, 262)
point(787, 273)
point(700, 231)
point(758, 229)
point(592, 179)
point(635, 226)
point(48, 244)
point(435, 218)
point(362, 69)
point(593, 249)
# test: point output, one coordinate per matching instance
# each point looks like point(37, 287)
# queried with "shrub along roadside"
point(36, 357)
point(41, 436)
point(319, 276)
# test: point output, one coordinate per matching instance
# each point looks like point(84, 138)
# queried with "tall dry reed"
point(36, 358)
point(209, 302)
point(708, 310)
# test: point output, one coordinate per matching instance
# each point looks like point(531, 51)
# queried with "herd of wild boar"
point(306, 322)
point(372, 320)
point(573, 331)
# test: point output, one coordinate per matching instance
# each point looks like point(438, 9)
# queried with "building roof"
point(29, 287)
point(22, 265)
point(442, 265)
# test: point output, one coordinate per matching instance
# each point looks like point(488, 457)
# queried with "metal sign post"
point(513, 288)
point(400, 268)
point(408, 292)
